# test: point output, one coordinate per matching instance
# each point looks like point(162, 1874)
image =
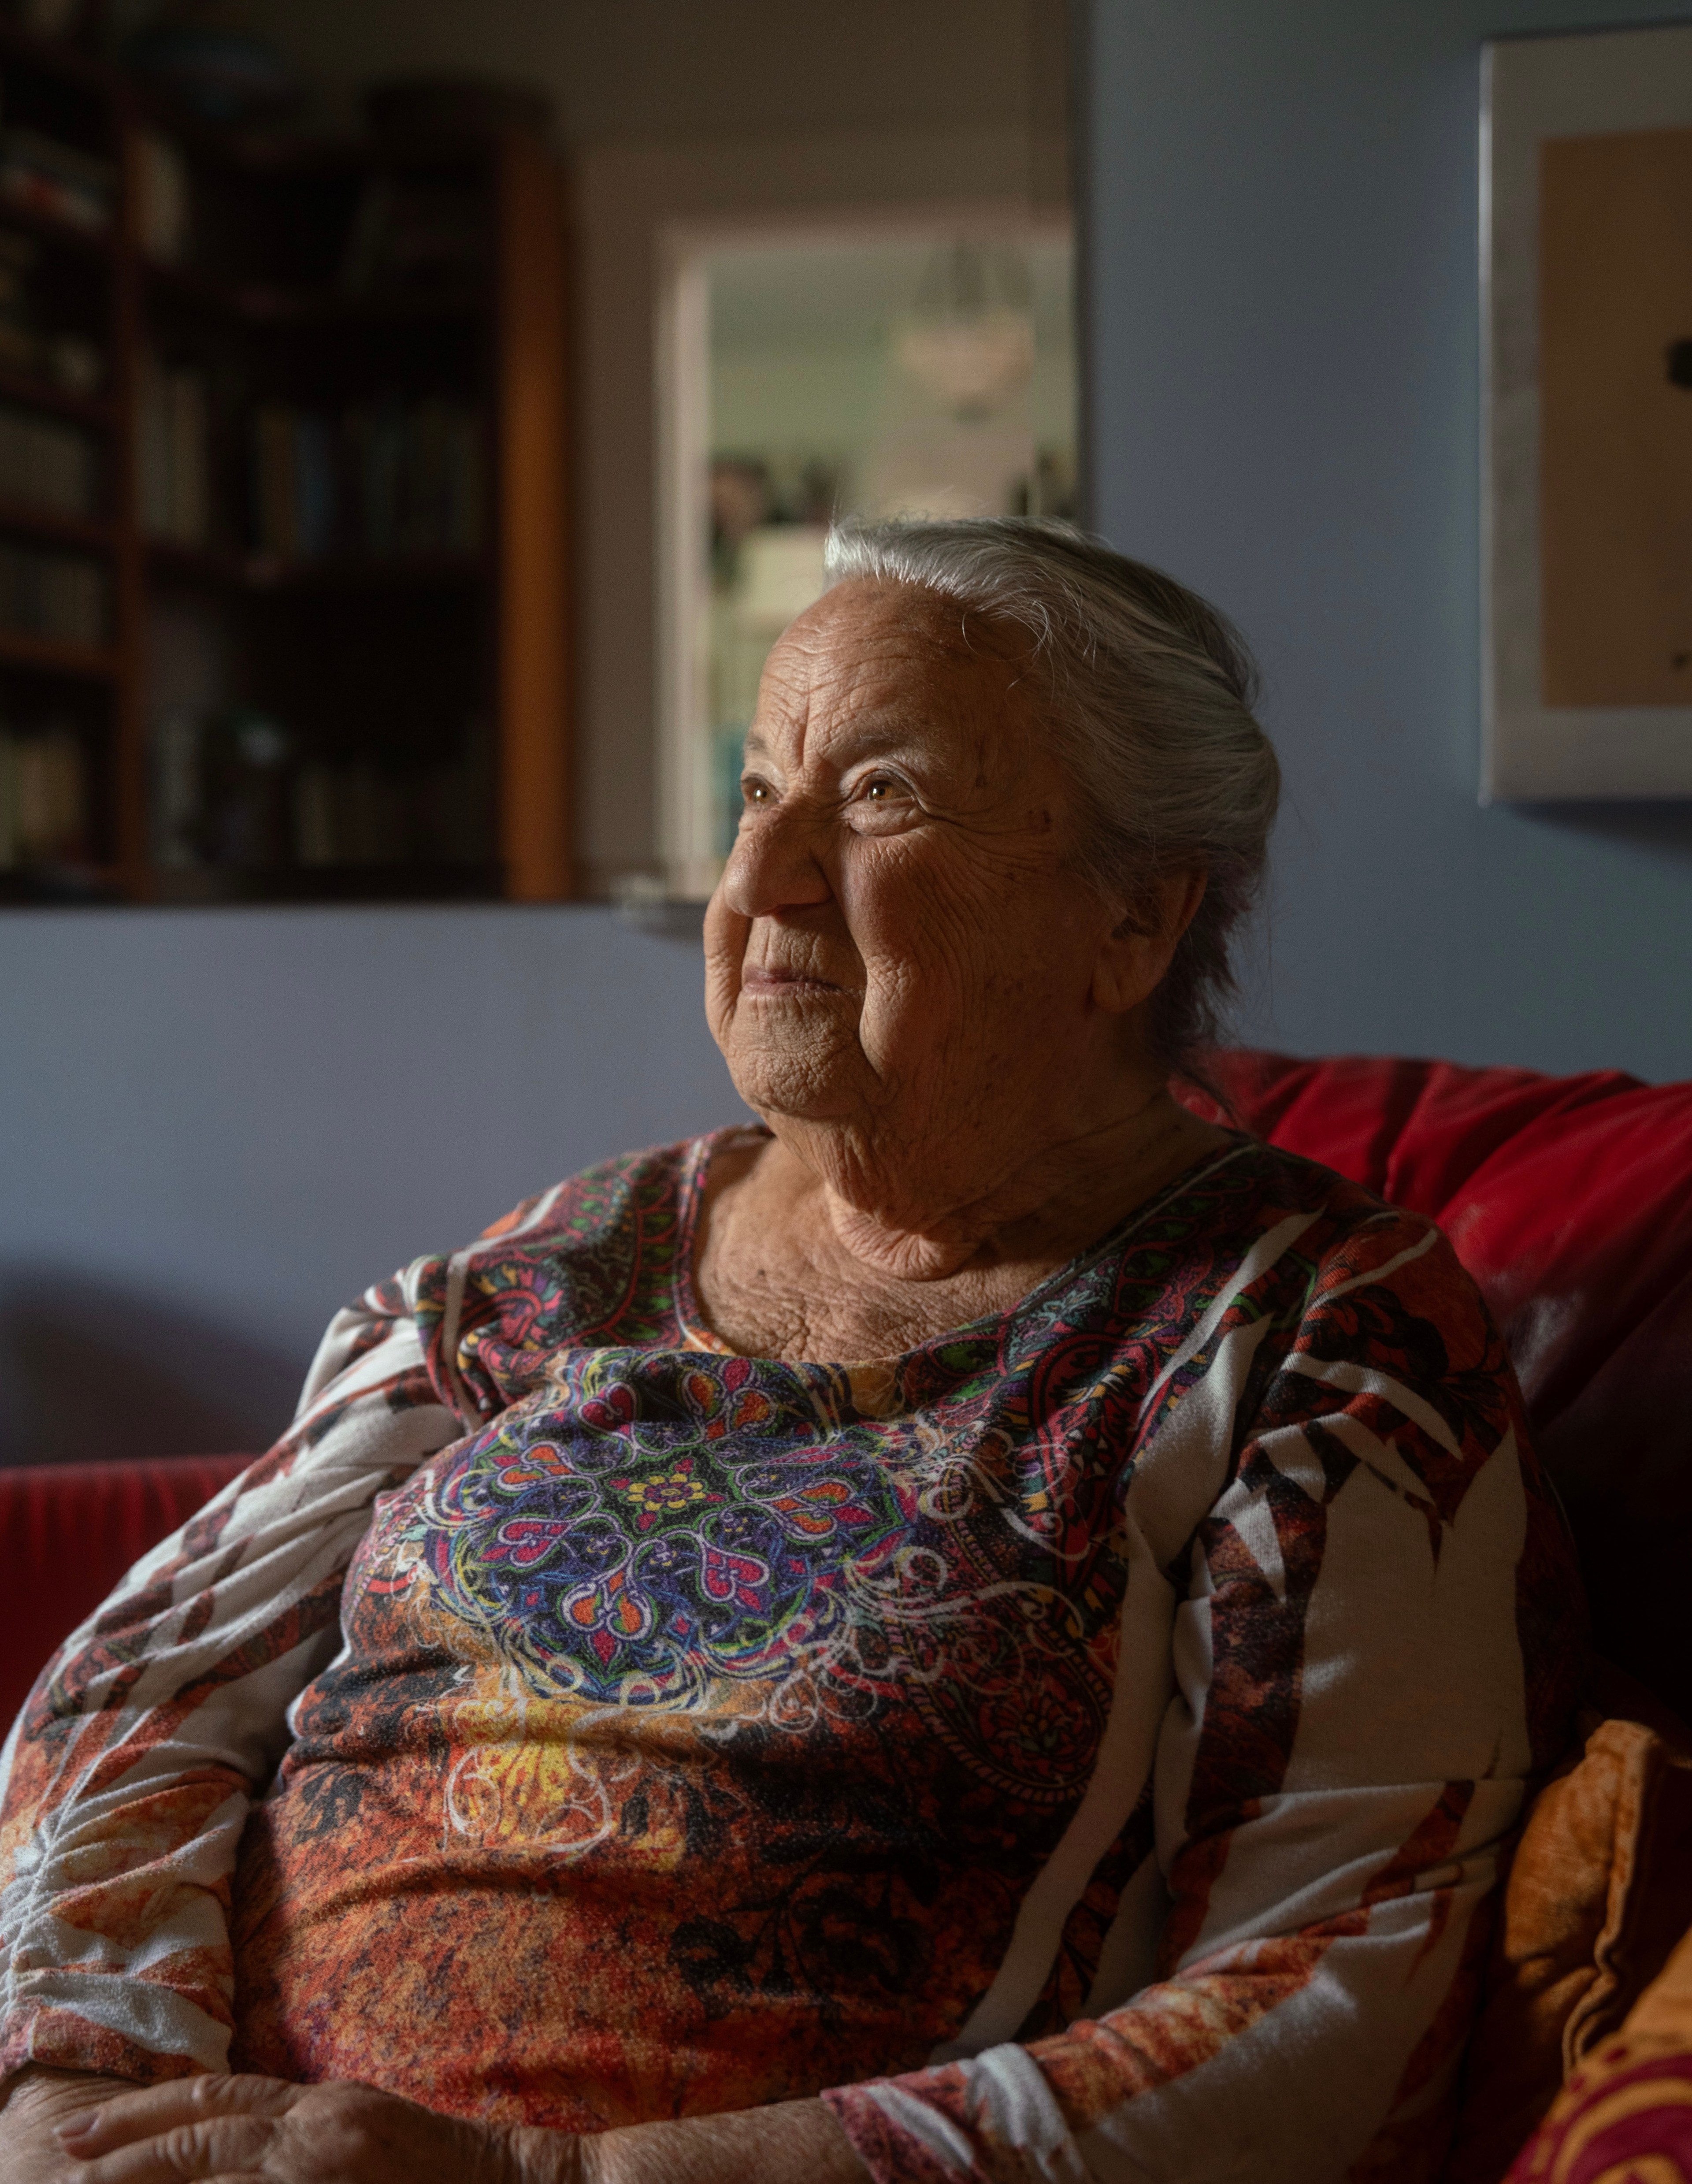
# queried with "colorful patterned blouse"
point(1078, 1747)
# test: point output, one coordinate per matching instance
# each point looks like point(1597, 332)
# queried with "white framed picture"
point(1586, 224)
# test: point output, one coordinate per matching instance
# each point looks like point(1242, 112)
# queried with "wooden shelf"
point(18, 388)
point(362, 573)
point(42, 886)
point(67, 530)
point(325, 884)
point(98, 664)
point(270, 148)
point(438, 683)
point(99, 243)
point(260, 572)
point(257, 306)
point(277, 307)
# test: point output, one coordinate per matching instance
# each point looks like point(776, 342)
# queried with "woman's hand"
point(261, 2131)
point(36, 2101)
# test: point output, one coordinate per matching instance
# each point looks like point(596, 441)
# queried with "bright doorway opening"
point(921, 367)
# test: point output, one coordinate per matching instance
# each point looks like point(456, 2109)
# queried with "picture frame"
point(1586, 318)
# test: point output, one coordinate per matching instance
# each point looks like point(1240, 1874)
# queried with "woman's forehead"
point(874, 648)
point(867, 614)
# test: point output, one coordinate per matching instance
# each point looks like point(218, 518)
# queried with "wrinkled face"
point(900, 944)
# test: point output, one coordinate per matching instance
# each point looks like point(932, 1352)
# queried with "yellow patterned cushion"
point(1625, 2116)
point(1599, 1891)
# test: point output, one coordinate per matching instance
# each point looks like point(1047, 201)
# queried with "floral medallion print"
point(667, 1519)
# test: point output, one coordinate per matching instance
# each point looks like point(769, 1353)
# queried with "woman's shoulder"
point(590, 1261)
point(605, 1200)
point(1334, 1290)
point(1248, 1184)
point(1261, 1183)
point(1301, 1239)
point(1337, 1328)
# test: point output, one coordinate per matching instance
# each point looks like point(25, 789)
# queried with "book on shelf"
point(57, 180)
point(219, 789)
point(164, 197)
point(359, 812)
point(45, 592)
point(173, 452)
point(43, 797)
point(349, 815)
point(296, 492)
point(390, 479)
point(174, 791)
point(31, 346)
point(47, 466)
point(230, 789)
point(416, 235)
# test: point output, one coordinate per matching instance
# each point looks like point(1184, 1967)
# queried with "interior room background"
point(218, 1122)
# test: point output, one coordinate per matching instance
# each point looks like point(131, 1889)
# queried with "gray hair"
point(1150, 693)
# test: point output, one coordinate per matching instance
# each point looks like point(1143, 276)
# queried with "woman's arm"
point(126, 1780)
point(797, 2143)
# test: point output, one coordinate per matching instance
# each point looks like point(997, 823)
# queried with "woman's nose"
point(775, 864)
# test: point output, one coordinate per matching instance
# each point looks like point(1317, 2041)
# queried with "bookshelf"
point(283, 514)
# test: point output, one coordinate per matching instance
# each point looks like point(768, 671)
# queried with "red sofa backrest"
point(1569, 1199)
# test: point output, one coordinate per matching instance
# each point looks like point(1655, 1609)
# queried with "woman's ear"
point(1133, 958)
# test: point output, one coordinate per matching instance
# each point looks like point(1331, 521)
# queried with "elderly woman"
point(987, 1628)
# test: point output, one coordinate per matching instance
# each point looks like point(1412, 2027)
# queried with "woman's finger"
point(188, 2153)
point(180, 2104)
point(152, 2109)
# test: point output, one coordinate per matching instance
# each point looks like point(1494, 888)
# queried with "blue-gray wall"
point(1281, 204)
point(216, 1127)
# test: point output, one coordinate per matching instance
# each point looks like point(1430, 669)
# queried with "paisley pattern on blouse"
point(1007, 1739)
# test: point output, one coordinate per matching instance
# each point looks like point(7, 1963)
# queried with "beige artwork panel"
point(1615, 426)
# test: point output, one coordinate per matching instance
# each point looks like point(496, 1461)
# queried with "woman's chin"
point(800, 1079)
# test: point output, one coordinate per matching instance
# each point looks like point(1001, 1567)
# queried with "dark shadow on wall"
point(1662, 829)
point(88, 1371)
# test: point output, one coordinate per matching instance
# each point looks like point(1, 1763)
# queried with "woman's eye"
point(755, 792)
point(879, 789)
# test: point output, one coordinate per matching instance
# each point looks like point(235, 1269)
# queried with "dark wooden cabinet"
point(283, 514)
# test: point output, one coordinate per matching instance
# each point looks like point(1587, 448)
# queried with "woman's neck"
point(912, 1221)
point(787, 1265)
point(1036, 1213)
